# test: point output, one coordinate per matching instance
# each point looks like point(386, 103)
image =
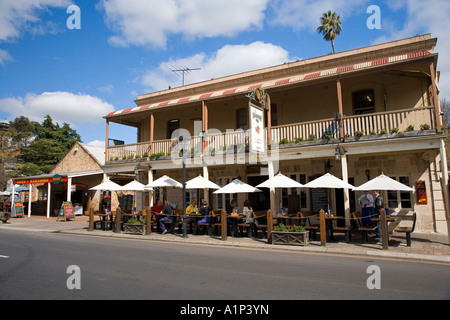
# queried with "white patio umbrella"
point(237, 186)
point(280, 181)
point(164, 181)
point(383, 182)
point(328, 181)
point(108, 185)
point(134, 186)
point(201, 183)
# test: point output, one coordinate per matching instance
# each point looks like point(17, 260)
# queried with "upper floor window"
point(172, 125)
point(364, 101)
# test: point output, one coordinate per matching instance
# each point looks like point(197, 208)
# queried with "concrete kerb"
point(336, 248)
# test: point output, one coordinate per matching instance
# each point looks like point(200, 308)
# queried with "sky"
point(78, 60)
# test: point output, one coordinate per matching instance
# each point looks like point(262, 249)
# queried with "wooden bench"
point(364, 229)
point(247, 226)
point(177, 214)
point(207, 225)
point(407, 229)
point(346, 230)
point(259, 222)
point(312, 228)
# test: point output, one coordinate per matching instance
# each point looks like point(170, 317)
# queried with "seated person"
point(158, 207)
point(167, 210)
point(232, 222)
point(192, 208)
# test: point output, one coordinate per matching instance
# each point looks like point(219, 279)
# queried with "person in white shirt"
point(366, 201)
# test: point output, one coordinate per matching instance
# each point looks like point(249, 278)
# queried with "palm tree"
point(331, 26)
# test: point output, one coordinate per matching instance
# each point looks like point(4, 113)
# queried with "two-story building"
point(355, 114)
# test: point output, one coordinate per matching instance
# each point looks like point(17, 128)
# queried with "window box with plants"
point(134, 226)
point(294, 236)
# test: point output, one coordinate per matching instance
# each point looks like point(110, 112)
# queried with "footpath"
point(430, 247)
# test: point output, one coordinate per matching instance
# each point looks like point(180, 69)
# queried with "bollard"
point(148, 222)
point(384, 230)
point(91, 219)
point(269, 217)
point(323, 229)
point(118, 220)
point(223, 224)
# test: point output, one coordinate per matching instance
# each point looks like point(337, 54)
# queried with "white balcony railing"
point(367, 124)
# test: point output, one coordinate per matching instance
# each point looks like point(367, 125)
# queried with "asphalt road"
point(35, 266)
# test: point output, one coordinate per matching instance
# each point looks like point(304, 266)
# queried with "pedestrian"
point(167, 210)
point(366, 201)
point(377, 210)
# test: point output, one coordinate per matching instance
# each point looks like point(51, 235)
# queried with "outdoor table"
point(286, 218)
point(329, 225)
point(193, 218)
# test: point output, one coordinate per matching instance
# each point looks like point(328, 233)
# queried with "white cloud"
point(17, 16)
point(142, 23)
point(305, 14)
point(75, 109)
point(96, 143)
point(4, 56)
point(230, 59)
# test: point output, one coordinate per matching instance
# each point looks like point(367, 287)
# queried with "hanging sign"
point(421, 192)
point(66, 211)
point(257, 136)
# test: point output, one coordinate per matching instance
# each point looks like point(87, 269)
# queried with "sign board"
point(421, 192)
point(257, 136)
point(18, 209)
point(66, 211)
point(57, 179)
point(38, 180)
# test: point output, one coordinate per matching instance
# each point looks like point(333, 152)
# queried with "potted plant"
point(294, 236)
point(134, 226)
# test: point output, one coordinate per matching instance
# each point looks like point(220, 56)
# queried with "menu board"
point(66, 211)
point(319, 200)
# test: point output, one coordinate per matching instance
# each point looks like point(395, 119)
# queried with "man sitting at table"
point(167, 210)
point(158, 207)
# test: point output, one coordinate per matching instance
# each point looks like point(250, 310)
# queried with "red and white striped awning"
point(275, 83)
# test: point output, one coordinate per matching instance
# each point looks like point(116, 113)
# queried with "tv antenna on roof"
point(181, 71)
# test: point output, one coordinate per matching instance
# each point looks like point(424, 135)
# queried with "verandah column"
point(341, 108)
point(106, 140)
point(435, 98)
point(204, 146)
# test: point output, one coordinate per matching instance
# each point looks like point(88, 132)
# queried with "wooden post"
point(269, 225)
point(118, 220)
point(148, 222)
point(152, 131)
point(384, 230)
point(435, 98)
point(91, 219)
point(223, 224)
point(323, 229)
point(341, 110)
point(269, 122)
point(106, 142)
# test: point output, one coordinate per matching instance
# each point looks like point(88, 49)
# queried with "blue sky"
point(125, 48)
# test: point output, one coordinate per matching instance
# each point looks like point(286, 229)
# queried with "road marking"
point(6, 257)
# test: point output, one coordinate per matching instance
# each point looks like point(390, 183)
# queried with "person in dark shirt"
point(167, 210)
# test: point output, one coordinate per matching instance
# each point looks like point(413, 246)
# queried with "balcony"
point(326, 129)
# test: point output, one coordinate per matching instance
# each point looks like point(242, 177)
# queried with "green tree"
point(48, 143)
point(330, 26)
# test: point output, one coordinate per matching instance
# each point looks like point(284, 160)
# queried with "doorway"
point(259, 200)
